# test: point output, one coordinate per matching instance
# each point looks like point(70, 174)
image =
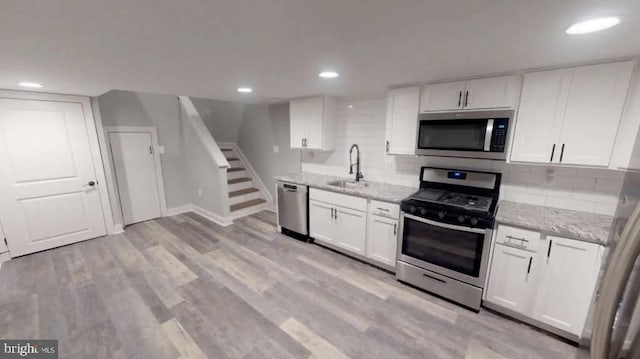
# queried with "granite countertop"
point(375, 190)
point(584, 226)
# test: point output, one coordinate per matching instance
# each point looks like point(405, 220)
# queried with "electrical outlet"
point(199, 192)
point(160, 149)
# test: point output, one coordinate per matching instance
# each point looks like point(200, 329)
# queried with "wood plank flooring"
point(183, 287)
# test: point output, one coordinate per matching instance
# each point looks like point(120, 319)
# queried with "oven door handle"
point(445, 225)
point(488, 134)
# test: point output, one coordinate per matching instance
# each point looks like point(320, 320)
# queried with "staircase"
point(244, 195)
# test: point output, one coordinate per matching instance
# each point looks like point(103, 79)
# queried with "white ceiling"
point(208, 48)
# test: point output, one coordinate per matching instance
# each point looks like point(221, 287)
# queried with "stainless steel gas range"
point(445, 233)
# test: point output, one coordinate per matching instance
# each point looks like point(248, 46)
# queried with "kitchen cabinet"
point(511, 283)
point(485, 93)
point(382, 232)
point(338, 220)
point(321, 224)
point(312, 123)
point(571, 116)
point(547, 281)
point(626, 154)
point(402, 120)
point(570, 270)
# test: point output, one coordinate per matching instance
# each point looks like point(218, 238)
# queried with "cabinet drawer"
point(337, 199)
point(384, 209)
point(517, 237)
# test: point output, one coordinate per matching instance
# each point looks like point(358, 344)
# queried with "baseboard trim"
point(179, 210)
point(223, 221)
point(4, 257)
point(117, 229)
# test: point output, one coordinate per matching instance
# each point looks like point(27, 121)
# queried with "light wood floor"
point(185, 287)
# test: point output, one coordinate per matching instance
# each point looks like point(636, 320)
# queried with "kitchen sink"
point(348, 184)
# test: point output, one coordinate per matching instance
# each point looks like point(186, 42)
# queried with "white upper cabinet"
point(312, 123)
point(402, 120)
point(594, 109)
point(626, 154)
point(442, 97)
point(544, 99)
point(493, 92)
point(570, 271)
point(571, 116)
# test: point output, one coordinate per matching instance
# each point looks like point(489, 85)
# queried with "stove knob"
point(423, 211)
point(441, 214)
point(460, 218)
point(474, 221)
point(412, 209)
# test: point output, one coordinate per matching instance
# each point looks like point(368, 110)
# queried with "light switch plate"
point(160, 149)
point(276, 149)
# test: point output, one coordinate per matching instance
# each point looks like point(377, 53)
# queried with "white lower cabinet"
point(382, 239)
point(511, 284)
point(354, 225)
point(551, 284)
point(569, 271)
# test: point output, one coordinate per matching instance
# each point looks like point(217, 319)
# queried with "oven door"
point(454, 251)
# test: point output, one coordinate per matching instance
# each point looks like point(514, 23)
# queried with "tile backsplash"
point(589, 190)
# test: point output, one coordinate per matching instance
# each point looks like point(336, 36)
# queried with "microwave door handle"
point(488, 134)
point(445, 225)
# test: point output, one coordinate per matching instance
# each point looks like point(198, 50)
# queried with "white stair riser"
point(244, 198)
point(245, 211)
point(235, 163)
point(241, 185)
point(237, 174)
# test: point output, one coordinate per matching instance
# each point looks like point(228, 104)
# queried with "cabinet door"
point(402, 120)
point(439, 97)
point(315, 129)
point(569, 273)
point(382, 239)
point(626, 155)
point(593, 113)
point(298, 117)
point(540, 116)
point(493, 92)
point(351, 228)
point(511, 279)
point(321, 221)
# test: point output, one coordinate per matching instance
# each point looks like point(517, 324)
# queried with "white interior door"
point(48, 187)
point(135, 169)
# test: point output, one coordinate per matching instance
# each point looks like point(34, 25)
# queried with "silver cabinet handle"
point(383, 209)
point(529, 267)
point(387, 146)
point(518, 239)
point(466, 98)
point(459, 98)
point(395, 229)
point(553, 150)
point(562, 152)
point(549, 250)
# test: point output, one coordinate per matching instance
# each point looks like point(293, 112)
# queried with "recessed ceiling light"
point(328, 74)
point(33, 85)
point(593, 25)
point(245, 89)
point(350, 106)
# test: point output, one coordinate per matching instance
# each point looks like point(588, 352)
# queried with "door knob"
point(91, 183)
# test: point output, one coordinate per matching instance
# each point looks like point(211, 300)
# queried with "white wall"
point(223, 118)
point(570, 188)
point(263, 127)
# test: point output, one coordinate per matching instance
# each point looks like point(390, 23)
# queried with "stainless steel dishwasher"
point(293, 210)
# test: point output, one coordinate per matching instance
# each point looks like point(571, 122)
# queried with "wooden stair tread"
point(251, 203)
point(238, 180)
point(235, 169)
point(233, 159)
point(226, 149)
point(242, 191)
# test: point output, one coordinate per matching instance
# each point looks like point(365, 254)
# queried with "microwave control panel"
point(499, 135)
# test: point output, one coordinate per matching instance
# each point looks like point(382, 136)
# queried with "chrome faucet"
point(359, 174)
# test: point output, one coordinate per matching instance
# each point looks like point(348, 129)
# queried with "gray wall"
point(223, 118)
point(203, 173)
point(265, 126)
point(127, 108)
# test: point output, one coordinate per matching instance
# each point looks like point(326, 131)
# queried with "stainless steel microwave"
point(480, 134)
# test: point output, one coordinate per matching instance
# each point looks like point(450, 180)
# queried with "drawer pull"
point(383, 209)
point(529, 267)
point(434, 278)
point(517, 238)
